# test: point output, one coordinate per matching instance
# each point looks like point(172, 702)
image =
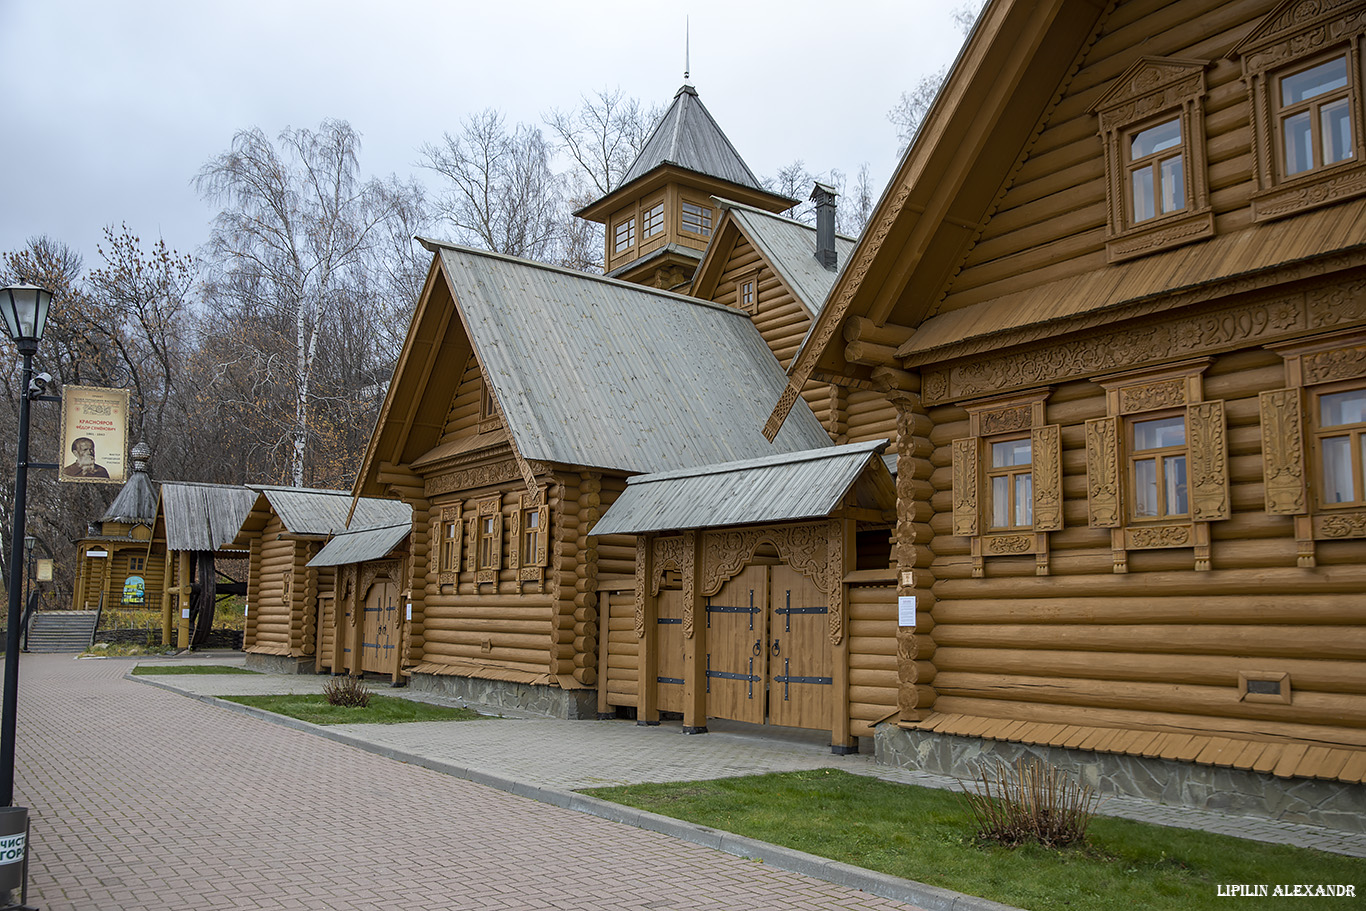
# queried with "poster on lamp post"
point(94, 435)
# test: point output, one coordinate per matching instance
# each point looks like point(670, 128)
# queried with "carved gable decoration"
point(1297, 27)
point(803, 547)
point(1150, 85)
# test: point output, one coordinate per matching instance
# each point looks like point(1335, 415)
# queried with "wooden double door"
point(769, 658)
point(379, 628)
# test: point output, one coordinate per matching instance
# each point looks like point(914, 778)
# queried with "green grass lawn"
point(314, 708)
point(927, 835)
point(143, 670)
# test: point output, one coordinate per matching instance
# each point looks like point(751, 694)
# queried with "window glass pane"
point(1143, 194)
point(1337, 470)
point(696, 219)
point(1160, 433)
point(654, 221)
point(1173, 184)
point(1174, 476)
point(1314, 81)
point(1024, 499)
point(1342, 408)
point(1155, 139)
point(1145, 487)
point(1299, 143)
point(1337, 132)
point(1011, 452)
point(1000, 502)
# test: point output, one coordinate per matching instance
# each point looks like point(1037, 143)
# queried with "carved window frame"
point(1294, 36)
point(530, 562)
point(490, 418)
point(994, 420)
point(1150, 92)
point(1141, 395)
point(488, 540)
point(450, 534)
point(1291, 463)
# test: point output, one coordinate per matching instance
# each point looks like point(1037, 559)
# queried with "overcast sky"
point(111, 106)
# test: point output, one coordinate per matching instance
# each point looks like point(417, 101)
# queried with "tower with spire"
point(660, 219)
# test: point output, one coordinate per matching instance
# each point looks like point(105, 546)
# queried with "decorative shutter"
point(1046, 444)
point(1102, 472)
point(1283, 461)
point(542, 536)
point(515, 536)
point(1207, 466)
point(966, 484)
point(497, 541)
point(472, 550)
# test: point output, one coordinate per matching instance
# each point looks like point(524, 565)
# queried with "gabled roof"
point(202, 517)
point(789, 248)
point(781, 488)
point(586, 370)
point(361, 544)
point(313, 512)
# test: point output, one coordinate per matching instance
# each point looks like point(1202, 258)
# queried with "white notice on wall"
point(184, 613)
point(410, 610)
point(905, 609)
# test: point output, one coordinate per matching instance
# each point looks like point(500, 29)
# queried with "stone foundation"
point(548, 701)
point(1333, 804)
point(280, 664)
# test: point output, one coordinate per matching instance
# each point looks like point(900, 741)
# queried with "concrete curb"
point(931, 898)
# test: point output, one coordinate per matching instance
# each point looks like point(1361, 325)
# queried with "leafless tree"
point(501, 193)
point(297, 222)
point(912, 106)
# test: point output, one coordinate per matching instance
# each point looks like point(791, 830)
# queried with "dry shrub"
point(346, 691)
point(1034, 802)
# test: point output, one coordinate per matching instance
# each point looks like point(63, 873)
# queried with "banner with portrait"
point(94, 435)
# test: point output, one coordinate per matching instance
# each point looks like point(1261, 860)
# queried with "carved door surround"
point(1289, 463)
point(1174, 390)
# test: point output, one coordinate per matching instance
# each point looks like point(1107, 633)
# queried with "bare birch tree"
point(296, 221)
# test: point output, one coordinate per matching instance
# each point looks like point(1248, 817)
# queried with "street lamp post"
point(24, 308)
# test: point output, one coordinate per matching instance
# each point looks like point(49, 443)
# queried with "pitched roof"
point(596, 372)
point(361, 544)
point(136, 501)
point(314, 511)
point(790, 248)
point(800, 485)
point(203, 517)
point(688, 137)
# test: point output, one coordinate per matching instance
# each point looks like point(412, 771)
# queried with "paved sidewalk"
point(143, 799)
point(589, 754)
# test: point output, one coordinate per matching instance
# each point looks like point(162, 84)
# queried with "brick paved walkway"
point(143, 799)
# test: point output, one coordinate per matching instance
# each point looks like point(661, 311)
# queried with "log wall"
point(280, 577)
point(1050, 222)
point(1163, 644)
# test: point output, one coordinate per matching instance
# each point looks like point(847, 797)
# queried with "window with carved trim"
point(488, 542)
point(1340, 438)
point(1314, 117)
point(1152, 123)
point(1303, 69)
point(1157, 465)
point(1007, 480)
point(450, 541)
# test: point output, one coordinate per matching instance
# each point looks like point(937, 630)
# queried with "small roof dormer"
point(661, 217)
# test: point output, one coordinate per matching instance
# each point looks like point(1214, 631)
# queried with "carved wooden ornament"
point(1208, 466)
point(1283, 462)
point(1046, 447)
point(802, 547)
point(965, 474)
point(1102, 472)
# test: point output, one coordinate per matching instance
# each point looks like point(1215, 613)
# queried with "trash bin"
point(13, 849)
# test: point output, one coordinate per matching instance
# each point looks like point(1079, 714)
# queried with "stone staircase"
point(61, 631)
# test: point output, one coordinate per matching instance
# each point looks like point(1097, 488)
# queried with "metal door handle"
point(758, 649)
point(776, 651)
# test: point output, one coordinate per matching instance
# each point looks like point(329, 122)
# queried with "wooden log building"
point(284, 528)
point(1116, 293)
point(117, 562)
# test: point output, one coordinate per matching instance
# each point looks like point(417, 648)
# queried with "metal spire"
point(687, 50)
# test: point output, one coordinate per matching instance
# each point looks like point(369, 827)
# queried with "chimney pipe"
point(824, 198)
